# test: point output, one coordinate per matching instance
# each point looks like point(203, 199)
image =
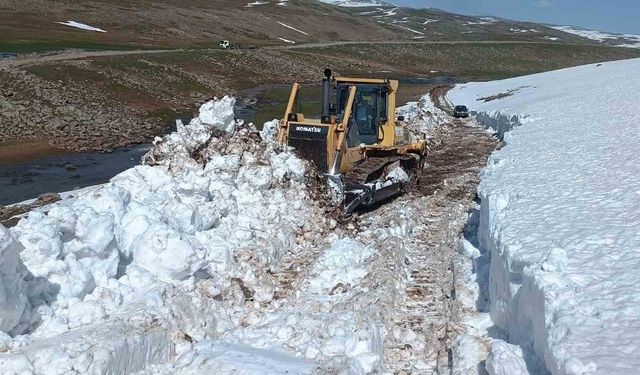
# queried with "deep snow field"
point(560, 217)
point(178, 266)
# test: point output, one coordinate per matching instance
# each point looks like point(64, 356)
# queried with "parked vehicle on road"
point(460, 111)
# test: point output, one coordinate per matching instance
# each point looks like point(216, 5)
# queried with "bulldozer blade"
point(367, 195)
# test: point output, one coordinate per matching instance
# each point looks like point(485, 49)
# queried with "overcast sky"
point(607, 15)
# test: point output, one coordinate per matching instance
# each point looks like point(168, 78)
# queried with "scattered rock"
point(48, 198)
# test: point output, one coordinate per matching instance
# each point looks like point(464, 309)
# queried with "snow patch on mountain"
point(83, 26)
point(620, 40)
point(355, 3)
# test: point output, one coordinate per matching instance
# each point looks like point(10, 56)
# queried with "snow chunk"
point(217, 113)
point(423, 115)
point(506, 359)
point(176, 149)
point(13, 301)
point(342, 264)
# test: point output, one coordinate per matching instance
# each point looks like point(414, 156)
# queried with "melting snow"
point(624, 40)
point(256, 3)
point(409, 29)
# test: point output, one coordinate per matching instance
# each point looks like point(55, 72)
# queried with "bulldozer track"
point(446, 191)
point(362, 172)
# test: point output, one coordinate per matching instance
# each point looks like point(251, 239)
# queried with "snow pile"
point(423, 115)
point(333, 321)
point(560, 218)
point(163, 254)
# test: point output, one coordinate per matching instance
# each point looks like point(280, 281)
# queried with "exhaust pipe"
point(326, 107)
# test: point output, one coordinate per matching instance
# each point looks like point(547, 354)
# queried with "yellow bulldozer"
point(365, 151)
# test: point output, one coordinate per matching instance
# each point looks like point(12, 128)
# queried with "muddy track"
point(446, 193)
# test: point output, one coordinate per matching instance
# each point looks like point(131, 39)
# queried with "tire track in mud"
point(445, 193)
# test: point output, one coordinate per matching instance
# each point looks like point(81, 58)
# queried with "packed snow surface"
point(560, 216)
point(81, 26)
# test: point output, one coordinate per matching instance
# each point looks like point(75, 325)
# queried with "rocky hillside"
point(38, 25)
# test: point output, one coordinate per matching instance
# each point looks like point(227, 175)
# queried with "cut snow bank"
point(560, 217)
point(131, 272)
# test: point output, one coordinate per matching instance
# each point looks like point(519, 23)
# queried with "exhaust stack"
point(326, 111)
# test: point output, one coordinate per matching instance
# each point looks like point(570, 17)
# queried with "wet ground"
point(28, 180)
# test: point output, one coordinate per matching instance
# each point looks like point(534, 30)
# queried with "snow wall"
point(560, 216)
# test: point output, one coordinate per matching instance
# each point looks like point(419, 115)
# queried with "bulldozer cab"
point(369, 112)
point(358, 119)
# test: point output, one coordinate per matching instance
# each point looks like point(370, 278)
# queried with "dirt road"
point(395, 42)
point(79, 55)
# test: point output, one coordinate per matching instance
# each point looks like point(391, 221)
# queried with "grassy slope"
point(479, 61)
point(173, 23)
point(31, 25)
